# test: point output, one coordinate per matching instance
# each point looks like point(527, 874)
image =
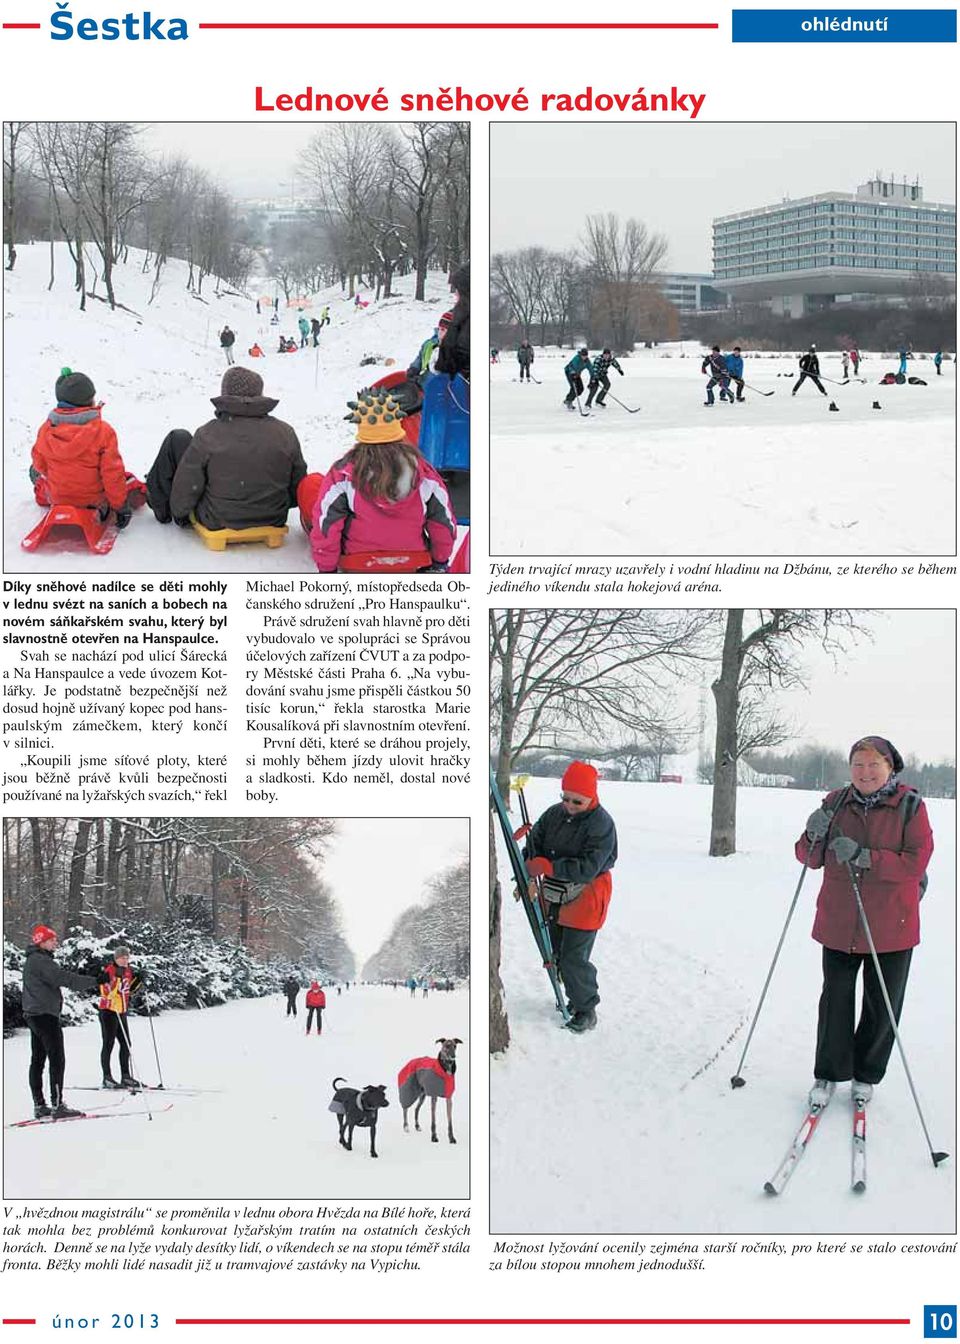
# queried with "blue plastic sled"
point(445, 423)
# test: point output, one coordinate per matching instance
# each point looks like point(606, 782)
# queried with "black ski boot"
point(62, 1111)
point(40, 1109)
point(112, 1083)
point(585, 1021)
point(128, 1080)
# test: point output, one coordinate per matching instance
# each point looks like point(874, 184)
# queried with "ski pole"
point(936, 1157)
point(738, 1080)
point(153, 1035)
point(133, 1063)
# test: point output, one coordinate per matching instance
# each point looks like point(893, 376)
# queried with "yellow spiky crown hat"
point(377, 416)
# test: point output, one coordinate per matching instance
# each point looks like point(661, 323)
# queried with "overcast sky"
point(249, 159)
point(546, 178)
point(900, 684)
point(378, 867)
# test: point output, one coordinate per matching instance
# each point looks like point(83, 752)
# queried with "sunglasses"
point(573, 801)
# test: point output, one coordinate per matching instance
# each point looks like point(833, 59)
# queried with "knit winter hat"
point(445, 319)
point(42, 933)
point(240, 382)
point(580, 778)
point(884, 748)
point(75, 389)
point(377, 416)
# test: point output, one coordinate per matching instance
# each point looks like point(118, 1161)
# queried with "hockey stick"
point(630, 410)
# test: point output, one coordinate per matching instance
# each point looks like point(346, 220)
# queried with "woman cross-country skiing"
point(316, 1002)
point(118, 984)
point(879, 829)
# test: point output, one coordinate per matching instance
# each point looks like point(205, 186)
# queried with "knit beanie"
point(378, 418)
point(580, 778)
point(74, 389)
point(884, 748)
point(240, 382)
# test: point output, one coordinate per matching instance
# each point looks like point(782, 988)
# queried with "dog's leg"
point(340, 1123)
point(373, 1139)
point(349, 1143)
point(450, 1120)
point(416, 1115)
point(433, 1120)
point(406, 1127)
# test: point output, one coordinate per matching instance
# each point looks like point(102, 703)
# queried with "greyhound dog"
point(433, 1078)
point(356, 1108)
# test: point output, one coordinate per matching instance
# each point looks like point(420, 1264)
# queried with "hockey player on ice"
point(579, 365)
point(525, 358)
point(809, 368)
point(734, 362)
point(716, 366)
point(599, 376)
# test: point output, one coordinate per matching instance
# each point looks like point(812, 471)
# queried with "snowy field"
point(634, 1127)
point(777, 475)
point(156, 367)
point(264, 1131)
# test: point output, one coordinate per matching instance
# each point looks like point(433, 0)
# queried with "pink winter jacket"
point(347, 523)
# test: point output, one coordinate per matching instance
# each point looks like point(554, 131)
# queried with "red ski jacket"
point(899, 853)
point(316, 997)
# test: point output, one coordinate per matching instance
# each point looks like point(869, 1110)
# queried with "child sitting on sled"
point(75, 459)
point(382, 506)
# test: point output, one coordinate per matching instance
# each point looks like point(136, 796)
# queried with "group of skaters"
point(118, 987)
point(245, 468)
point(873, 842)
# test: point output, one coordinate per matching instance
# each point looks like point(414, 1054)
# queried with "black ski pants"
point(576, 389)
point(319, 1013)
point(571, 950)
point(113, 1028)
point(846, 1051)
point(603, 383)
point(796, 387)
point(46, 1047)
point(524, 372)
point(291, 1005)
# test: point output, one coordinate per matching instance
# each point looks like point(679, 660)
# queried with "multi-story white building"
point(814, 251)
point(690, 292)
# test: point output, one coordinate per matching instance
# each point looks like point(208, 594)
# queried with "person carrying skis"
point(227, 338)
point(303, 323)
point(316, 1002)
point(315, 330)
point(716, 366)
point(599, 375)
point(382, 500)
point(118, 984)
point(42, 1001)
point(574, 371)
point(571, 849)
point(809, 368)
point(877, 829)
point(291, 987)
point(525, 358)
point(734, 363)
point(76, 460)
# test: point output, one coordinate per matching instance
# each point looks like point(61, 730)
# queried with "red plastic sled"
point(98, 536)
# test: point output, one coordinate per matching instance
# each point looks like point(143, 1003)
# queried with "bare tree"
point(754, 663)
point(622, 258)
point(554, 671)
point(16, 156)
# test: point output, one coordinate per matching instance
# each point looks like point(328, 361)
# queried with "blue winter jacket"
point(735, 365)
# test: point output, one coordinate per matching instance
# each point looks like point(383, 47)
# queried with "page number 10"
point(940, 1322)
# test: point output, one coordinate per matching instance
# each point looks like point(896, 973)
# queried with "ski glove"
point(123, 517)
point(522, 832)
point(818, 823)
point(846, 850)
point(539, 867)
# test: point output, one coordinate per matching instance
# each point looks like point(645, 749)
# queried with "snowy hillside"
point(156, 368)
point(634, 1127)
point(778, 475)
point(264, 1130)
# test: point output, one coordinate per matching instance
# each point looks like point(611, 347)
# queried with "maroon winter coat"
point(890, 887)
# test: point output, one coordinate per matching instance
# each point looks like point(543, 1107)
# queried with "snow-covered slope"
point(778, 475)
point(634, 1127)
point(156, 368)
point(265, 1131)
